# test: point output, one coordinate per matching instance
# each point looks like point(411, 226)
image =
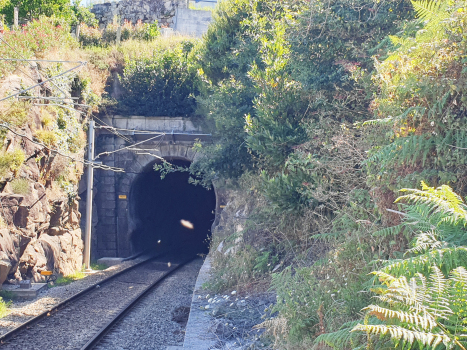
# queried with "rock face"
point(147, 11)
point(41, 233)
point(39, 229)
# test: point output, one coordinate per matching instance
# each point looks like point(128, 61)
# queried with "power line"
point(121, 149)
point(116, 133)
point(42, 83)
point(12, 48)
point(86, 162)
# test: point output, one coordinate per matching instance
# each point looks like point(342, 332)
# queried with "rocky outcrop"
point(146, 11)
point(41, 233)
point(39, 222)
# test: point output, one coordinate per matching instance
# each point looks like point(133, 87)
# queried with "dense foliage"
point(73, 13)
point(321, 112)
point(162, 85)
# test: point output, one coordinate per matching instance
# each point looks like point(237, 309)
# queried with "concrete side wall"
point(192, 22)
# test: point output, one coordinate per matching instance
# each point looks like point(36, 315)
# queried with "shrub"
point(20, 186)
point(162, 85)
point(138, 31)
point(420, 108)
point(47, 137)
point(422, 298)
point(34, 39)
point(90, 36)
point(16, 114)
point(4, 307)
point(11, 161)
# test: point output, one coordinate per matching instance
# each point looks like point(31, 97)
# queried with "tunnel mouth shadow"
point(170, 214)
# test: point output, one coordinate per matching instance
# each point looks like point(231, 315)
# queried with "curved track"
point(80, 322)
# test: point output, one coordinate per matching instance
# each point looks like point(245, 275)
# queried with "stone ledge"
point(197, 335)
point(27, 294)
point(110, 261)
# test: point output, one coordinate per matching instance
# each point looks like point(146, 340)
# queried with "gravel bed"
point(233, 318)
point(159, 319)
point(72, 326)
point(22, 311)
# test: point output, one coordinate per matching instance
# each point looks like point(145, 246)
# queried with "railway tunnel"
point(170, 213)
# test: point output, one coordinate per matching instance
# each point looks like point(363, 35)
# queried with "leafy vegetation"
point(93, 36)
point(20, 186)
point(64, 280)
point(320, 113)
point(164, 84)
point(3, 308)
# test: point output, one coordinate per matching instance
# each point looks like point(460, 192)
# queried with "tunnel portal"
point(170, 213)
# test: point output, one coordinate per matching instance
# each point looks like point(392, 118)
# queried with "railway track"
point(81, 321)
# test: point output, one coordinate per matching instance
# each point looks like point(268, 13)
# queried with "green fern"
point(432, 12)
point(420, 312)
point(342, 338)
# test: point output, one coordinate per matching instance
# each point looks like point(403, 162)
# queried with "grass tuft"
point(96, 266)
point(20, 186)
point(4, 307)
point(64, 280)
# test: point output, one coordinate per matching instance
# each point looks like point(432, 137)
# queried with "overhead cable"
point(43, 82)
point(124, 148)
point(116, 133)
point(19, 54)
point(86, 162)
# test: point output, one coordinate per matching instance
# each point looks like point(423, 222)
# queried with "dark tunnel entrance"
point(158, 206)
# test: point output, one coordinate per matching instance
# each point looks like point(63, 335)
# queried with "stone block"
point(109, 230)
point(108, 196)
point(122, 212)
point(107, 189)
point(25, 294)
point(107, 221)
point(124, 189)
point(109, 213)
point(109, 253)
point(108, 180)
point(109, 204)
point(111, 237)
point(111, 245)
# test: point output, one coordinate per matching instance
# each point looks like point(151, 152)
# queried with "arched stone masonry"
point(111, 224)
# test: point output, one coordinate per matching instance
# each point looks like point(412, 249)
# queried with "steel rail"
point(14, 332)
point(101, 333)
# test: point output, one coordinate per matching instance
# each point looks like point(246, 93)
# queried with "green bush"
point(421, 298)
point(34, 39)
point(11, 161)
point(164, 85)
point(4, 307)
point(16, 114)
point(420, 108)
point(92, 36)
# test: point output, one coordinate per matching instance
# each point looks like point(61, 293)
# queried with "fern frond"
point(445, 258)
point(426, 321)
point(432, 12)
point(425, 241)
point(340, 339)
point(410, 336)
point(442, 199)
